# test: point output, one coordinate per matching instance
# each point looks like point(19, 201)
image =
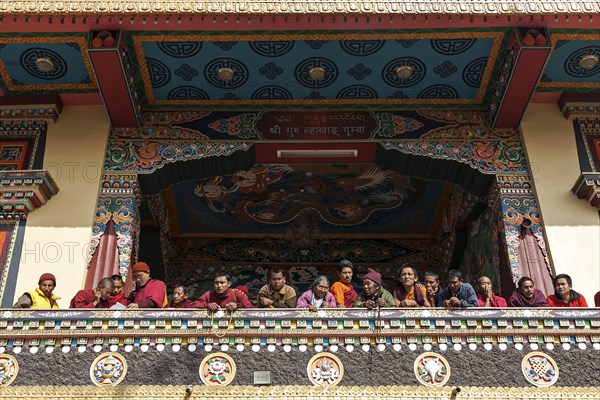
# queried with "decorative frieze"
point(263, 328)
point(146, 392)
point(147, 157)
point(423, 7)
point(46, 108)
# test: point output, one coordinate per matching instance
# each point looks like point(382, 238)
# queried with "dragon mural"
point(267, 198)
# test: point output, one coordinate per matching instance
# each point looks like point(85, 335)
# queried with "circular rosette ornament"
point(217, 369)
point(108, 369)
point(431, 369)
point(325, 369)
point(539, 369)
point(9, 369)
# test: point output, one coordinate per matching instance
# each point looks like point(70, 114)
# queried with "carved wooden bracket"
point(587, 187)
point(23, 191)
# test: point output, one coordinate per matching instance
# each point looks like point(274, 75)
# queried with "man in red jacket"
point(94, 298)
point(223, 296)
point(564, 295)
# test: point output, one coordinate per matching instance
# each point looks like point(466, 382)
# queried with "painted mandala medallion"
point(431, 369)
point(325, 369)
point(539, 369)
point(217, 369)
point(108, 369)
point(9, 369)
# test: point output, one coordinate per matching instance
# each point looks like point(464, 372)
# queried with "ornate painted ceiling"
point(172, 69)
point(275, 69)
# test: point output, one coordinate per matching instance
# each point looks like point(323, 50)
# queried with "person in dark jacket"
point(458, 294)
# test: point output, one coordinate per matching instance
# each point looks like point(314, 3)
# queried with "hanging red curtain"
point(532, 263)
point(105, 261)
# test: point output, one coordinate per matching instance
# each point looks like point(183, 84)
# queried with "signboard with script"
point(316, 125)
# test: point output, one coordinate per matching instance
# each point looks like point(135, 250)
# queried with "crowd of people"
point(408, 292)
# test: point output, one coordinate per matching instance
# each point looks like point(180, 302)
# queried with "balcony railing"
point(484, 351)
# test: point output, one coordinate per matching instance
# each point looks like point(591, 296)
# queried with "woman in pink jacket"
point(318, 296)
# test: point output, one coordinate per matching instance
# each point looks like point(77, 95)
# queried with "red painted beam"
point(527, 70)
point(245, 22)
point(280, 152)
point(118, 100)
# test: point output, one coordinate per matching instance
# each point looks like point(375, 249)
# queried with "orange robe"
point(344, 294)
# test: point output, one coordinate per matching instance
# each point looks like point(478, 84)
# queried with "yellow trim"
point(297, 392)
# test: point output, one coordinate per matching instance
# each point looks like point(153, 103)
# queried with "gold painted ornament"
point(432, 369)
point(9, 369)
point(539, 369)
point(217, 369)
point(108, 369)
point(325, 369)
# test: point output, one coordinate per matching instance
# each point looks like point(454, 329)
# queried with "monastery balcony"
point(393, 327)
point(385, 353)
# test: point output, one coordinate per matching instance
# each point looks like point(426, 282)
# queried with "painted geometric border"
point(498, 37)
point(81, 40)
point(548, 86)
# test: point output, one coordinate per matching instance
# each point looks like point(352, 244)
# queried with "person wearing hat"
point(148, 293)
point(94, 298)
point(374, 295)
point(42, 296)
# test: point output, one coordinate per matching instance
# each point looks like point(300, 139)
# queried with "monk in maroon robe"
point(148, 293)
point(180, 299)
point(223, 296)
point(486, 296)
point(94, 298)
point(527, 295)
point(118, 295)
